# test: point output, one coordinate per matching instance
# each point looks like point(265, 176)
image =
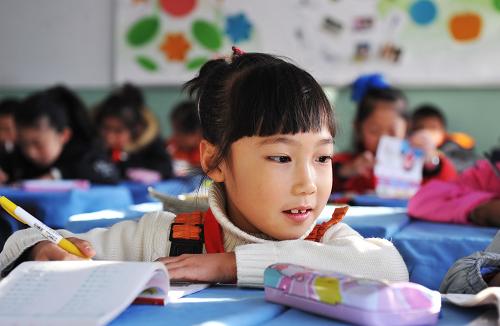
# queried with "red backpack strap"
point(186, 234)
point(214, 242)
point(320, 229)
point(190, 231)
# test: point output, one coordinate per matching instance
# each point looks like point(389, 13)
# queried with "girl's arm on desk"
point(341, 249)
point(128, 240)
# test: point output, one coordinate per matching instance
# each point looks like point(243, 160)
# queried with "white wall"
point(44, 42)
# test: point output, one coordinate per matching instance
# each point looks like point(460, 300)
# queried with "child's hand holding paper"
point(422, 139)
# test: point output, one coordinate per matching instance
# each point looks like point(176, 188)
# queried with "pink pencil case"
point(352, 299)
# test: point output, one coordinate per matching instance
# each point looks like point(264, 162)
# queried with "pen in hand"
point(26, 218)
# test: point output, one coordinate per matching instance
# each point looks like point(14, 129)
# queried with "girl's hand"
point(210, 268)
point(495, 281)
point(46, 250)
point(487, 214)
point(362, 165)
point(423, 139)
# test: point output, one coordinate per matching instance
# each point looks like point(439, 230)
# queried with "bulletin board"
point(412, 42)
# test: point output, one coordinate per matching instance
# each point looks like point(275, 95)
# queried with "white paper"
point(178, 290)
point(398, 168)
point(75, 292)
point(489, 296)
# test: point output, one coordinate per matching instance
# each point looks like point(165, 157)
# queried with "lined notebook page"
point(83, 292)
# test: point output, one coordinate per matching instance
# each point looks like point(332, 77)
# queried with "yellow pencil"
point(26, 218)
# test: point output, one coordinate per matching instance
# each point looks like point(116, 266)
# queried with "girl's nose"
point(305, 182)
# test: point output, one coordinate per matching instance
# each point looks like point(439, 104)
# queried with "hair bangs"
point(281, 99)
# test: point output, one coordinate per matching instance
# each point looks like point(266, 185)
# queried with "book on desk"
point(83, 292)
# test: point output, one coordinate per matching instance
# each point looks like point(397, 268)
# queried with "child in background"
point(55, 141)
point(7, 125)
point(131, 134)
point(184, 144)
point(474, 197)
point(476, 272)
point(458, 147)
point(381, 111)
point(267, 144)
point(7, 133)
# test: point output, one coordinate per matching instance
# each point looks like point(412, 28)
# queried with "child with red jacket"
point(382, 112)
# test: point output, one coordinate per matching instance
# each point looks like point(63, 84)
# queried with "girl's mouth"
point(298, 215)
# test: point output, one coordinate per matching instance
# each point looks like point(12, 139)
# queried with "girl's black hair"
point(61, 107)
point(368, 104)
point(257, 94)
point(8, 106)
point(184, 117)
point(125, 104)
point(428, 111)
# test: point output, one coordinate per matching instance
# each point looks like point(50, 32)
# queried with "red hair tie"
point(237, 51)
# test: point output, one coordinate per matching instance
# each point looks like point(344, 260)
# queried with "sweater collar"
point(217, 203)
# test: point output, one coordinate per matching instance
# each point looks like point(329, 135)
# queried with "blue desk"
point(234, 306)
point(54, 208)
point(450, 315)
point(80, 223)
point(372, 222)
point(219, 305)
point(367, 200)
point(175, 186)
point(429, 249)
point(373, 200)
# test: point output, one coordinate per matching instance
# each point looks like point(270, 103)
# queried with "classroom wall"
point(475, 111)
point(71, 41)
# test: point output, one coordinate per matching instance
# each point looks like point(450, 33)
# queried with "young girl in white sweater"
point(267, 144)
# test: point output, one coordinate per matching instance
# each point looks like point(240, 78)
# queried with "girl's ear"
point(66, 135)
point(208, 152)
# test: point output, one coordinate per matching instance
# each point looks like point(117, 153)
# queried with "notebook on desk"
point(82, 292)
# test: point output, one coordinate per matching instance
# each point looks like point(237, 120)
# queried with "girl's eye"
point(280, 159)
point(324, 159)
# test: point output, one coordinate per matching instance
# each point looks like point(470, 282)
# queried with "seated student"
point(131, 134)
point(7, 132)
point(474, 273)
point(267, 144)
point(474, 197)
point(381, 111)
point(55, 141)
point(184, 144)
point(7, 125)
point(458, 147)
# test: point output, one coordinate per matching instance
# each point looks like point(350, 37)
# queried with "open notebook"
point(82, 292)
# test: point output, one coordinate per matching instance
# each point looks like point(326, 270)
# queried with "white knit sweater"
point(341, 249)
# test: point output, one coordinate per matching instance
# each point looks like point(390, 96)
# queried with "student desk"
point(372, 222)
point(367, 200)
point(230, 305)
point(54, 208)
point(373, 200)
point(174, 186)
point(80, 223)
point(430, 249)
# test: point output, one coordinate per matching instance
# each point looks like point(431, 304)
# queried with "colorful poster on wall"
point(167, 41)
point(412, 42)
